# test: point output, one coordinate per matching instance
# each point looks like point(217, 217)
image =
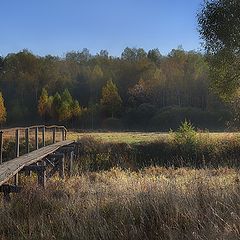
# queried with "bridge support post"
point(27, 173)
point(41, 172)
point(70, 170)
point(36, 138)
point(69, 157)
point(42, 176)
point(57, 161)
point(17, 150)
point(54, 135)
point(61, 163)
point(63, 135)
point(43, 136)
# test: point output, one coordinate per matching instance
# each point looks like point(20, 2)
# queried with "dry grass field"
point(141, 137)
point(123, 189)
point(155, 203)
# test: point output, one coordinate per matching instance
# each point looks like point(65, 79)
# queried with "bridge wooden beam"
point(41, 172)
point(58, 160)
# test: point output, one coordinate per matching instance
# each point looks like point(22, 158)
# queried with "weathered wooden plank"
point(10, 168)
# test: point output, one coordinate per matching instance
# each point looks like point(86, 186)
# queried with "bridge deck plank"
point(10, 168)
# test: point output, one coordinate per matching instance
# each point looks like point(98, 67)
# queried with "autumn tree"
point(160, 81)
point(111, 100)
point(3, 111)
point(59, 107)
point(43, 103)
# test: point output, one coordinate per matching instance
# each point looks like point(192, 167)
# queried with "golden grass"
point(139, 137)
point(152, 203)
point(155, 203)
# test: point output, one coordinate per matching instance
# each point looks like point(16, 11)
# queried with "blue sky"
point(57, 26)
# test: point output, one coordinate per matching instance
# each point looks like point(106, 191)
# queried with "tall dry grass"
point(203, 152)
point(155, 203)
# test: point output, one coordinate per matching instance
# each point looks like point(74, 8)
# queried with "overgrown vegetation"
point(184, 148)
point(182, 186)
point(155, 203)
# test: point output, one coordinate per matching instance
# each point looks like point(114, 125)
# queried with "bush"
point(185, 135)
point(139, 117)
point(172, 117)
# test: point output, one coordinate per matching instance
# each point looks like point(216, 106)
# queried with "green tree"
point(219, 26)
point(76, 112)
point(64, 113)
point(95, 81)
point(133, 54)
point(66, 97)
point(56, 106)
point(154, 55)
point(111, 100)
point(65, 110)
point(76, 109)
point(3, 111)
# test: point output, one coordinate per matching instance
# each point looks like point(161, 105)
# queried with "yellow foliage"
point(3, 111)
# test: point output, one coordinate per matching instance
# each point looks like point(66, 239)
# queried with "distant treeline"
point(139, 90)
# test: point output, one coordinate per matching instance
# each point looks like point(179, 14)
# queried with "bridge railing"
point(38, 130)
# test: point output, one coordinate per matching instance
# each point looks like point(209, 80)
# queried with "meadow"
point(142, 137)
point(182, 185)
point(155, 203)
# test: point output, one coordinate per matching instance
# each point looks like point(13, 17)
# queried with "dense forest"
point(138, 91)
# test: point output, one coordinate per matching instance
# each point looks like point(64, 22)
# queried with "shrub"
point(171, 117)
point(139, 117)
point(185, 135)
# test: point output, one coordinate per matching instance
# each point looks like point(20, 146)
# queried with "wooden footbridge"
point(44, 150)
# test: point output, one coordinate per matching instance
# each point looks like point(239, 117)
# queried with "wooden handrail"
point(16, 130)
point(32, 127)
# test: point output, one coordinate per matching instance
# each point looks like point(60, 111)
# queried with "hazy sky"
point(58, 26)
